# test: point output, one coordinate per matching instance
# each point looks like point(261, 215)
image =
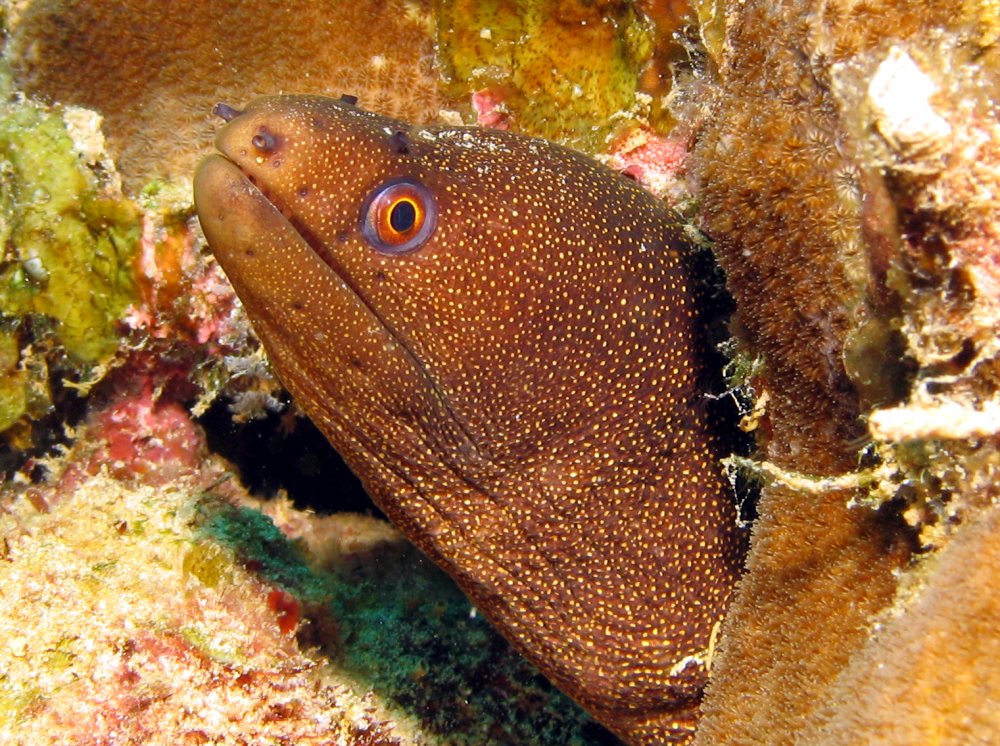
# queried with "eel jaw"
point(241, 223)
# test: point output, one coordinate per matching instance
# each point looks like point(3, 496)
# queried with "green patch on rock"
point(13, 380)
point(16, 704)
point(258, 543)
point(412, 636)
point(398, 625)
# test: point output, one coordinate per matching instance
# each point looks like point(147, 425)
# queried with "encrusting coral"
point(93, 283)
point(569, 71)
point(929, 674)
point(148, 600)
point(566, 71)
point(123, 623)
point(69, 239)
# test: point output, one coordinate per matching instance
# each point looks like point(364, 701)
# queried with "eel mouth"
point(310, 238)
point(233, 203)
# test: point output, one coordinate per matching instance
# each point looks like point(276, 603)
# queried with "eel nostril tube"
point(226, 112)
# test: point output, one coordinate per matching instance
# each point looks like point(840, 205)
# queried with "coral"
point(72, 240)
point(186, 327)
point(652, 160)
point(847, 176)
point(124, 625)
point(92, 282)
point(137, 437)
point(566, 71)
point(165, 602)
point(844, 161)
point(933, 146)
point(929, 672)
point(66, 272)
point(101, 56)
point(781, 202)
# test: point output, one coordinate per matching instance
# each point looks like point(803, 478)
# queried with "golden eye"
point(398, 216)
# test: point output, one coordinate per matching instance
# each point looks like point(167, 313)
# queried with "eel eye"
point(398, 216)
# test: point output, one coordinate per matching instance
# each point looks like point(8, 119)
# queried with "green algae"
point(570, 70)
point(412, 636)
point(67, 263)
point(16, 704)
point(13, 380)
point(258, 543)
point(407, 632)
point(212, 645)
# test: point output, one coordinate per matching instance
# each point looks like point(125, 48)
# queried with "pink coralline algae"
point(655, 161)
point(135, 437)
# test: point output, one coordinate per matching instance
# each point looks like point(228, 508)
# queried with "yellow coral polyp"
point(569, 69)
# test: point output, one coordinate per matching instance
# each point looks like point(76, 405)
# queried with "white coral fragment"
point(939, 421)
point(899, 95)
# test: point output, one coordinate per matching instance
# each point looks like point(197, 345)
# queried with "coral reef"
point(845, 165)
point(846, 175)
point(124, 624)
point(69, 240)
point(929, 673)
point(154, 73)
point(163, 606)
point(93, 283)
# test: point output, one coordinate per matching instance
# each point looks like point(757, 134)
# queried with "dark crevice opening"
point(274, 453)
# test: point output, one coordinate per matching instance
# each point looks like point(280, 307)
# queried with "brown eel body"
point(499, 336)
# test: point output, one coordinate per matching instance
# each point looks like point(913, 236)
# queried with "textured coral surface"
point(69, 239)
point(123, 625)
point(559, 69)
point(168, 614)
point(929, 673)
point(847, 168)
point(155, 72)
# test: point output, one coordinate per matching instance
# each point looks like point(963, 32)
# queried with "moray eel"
point(500, 337)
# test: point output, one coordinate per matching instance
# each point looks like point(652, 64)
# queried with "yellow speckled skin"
point(520, 394)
